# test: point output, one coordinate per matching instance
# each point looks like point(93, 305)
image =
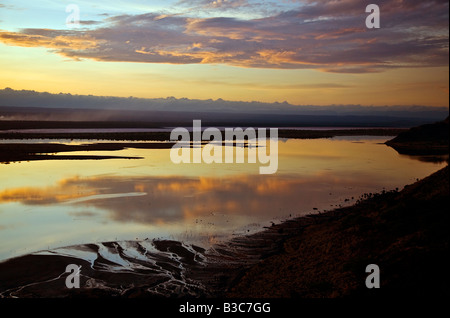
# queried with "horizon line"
point(212, 100)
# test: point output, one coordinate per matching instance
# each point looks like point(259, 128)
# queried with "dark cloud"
point(326, 35)
point(89, 22)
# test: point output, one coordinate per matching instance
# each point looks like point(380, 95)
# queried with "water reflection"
point(174, 199)
point(430, 158)
point(60, 203)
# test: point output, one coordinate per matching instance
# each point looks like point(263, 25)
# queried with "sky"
point(305, 52)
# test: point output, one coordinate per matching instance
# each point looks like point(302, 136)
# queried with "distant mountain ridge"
point(40, 106)
point(29, 118)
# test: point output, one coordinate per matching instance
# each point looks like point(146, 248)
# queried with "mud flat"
point(165, 136)
point(148, 268)
point(405, 233)
point(323, 255)
point(12, 152)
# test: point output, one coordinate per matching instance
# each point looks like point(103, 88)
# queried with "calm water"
point(51, 204)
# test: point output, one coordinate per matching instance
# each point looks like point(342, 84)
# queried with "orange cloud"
point(336, 34)
point(322, 35)
point(78, 42)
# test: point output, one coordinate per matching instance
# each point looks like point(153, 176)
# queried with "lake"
point(51, 204)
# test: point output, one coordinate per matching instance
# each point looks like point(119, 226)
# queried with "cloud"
point(222, 4)
point(89, 22)
point(328, 36)
point(50, 39)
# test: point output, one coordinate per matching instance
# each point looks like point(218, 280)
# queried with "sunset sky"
point(311, 52)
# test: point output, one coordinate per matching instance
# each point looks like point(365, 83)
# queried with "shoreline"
point(16, 152)
point(165, 136)
point(268, 264)
point(321, 255)
point(404, 232)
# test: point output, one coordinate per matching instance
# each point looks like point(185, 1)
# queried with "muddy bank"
point(141, 269)
point(165, 136)
point(323, 255)
point(405, 233)
point(113, 269)
point(14, 152)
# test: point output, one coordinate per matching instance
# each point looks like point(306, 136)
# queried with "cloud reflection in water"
point(171, 199)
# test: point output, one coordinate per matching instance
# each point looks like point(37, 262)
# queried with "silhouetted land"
point(430, 139)
point(156, 136)
point(405, 233)
point(319, 256)
point(323, 255)
point(165, 136)
point(14, 152)
point(48, 151)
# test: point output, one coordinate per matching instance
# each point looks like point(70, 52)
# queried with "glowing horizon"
point(303, 52)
